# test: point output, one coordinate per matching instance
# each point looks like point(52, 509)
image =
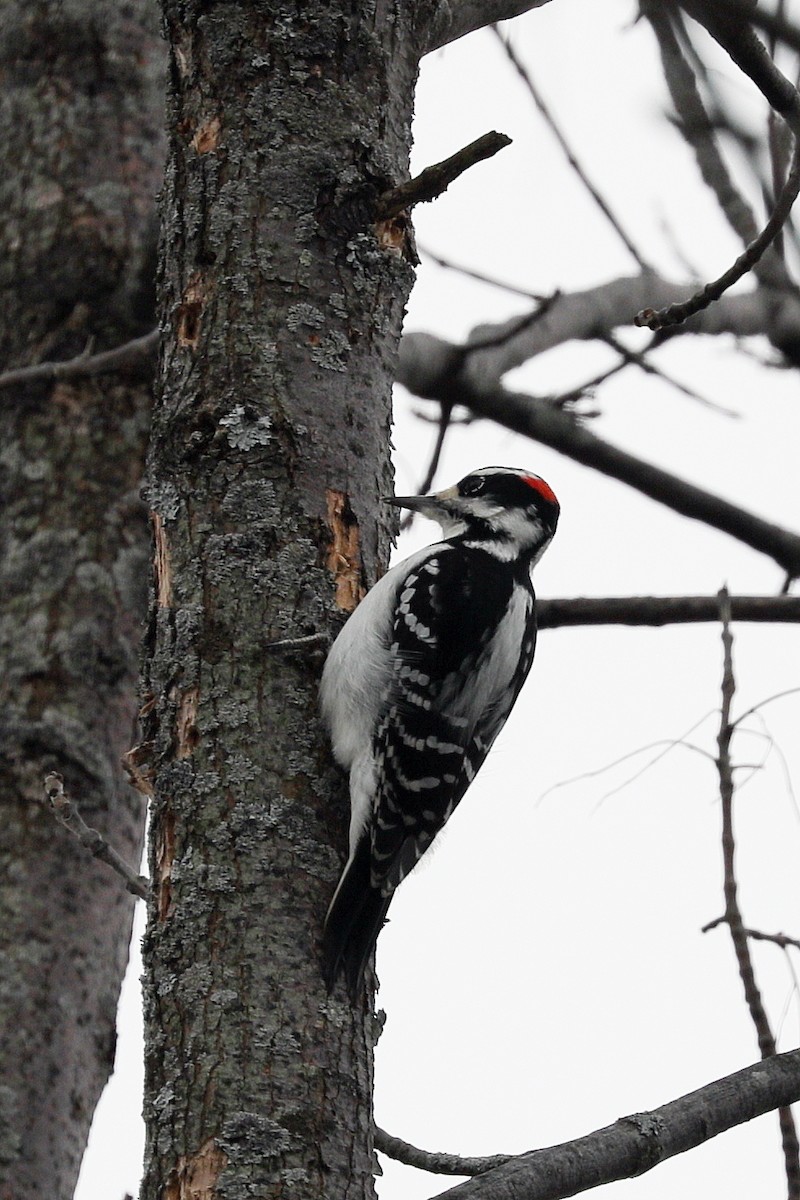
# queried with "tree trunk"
point(281, 307)
point(80, 113)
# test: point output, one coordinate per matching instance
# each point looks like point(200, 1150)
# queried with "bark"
point(281, 306)
point(79, 127)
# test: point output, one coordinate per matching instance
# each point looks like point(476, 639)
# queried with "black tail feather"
point(353, 923)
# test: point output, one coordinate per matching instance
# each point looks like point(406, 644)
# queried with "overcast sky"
point(544, 972)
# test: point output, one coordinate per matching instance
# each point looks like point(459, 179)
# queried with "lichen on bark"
point(80, 121)
point(281, 316)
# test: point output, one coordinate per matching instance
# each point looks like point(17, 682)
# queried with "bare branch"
point(695, 124)
point(662, 610)
point(596, 312)
point(751, 56)
point(550, 120)
point(437, 1162)
point(65, 812)
point(749, 53)
point(131, 354)
point(431, 375)
point(675, 314)
point(779, 939)
point(733, 915)
point(436, 179)
point(637, 1143)
point(493, 338)
point(773, 23)
point(455, 18)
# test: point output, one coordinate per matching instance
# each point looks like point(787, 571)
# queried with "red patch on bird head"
point(539, 485)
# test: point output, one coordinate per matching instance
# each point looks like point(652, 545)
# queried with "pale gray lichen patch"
point(242, 432)
point(307, 315)
point(249, 1137)
point(162, 497)
point(332, 352)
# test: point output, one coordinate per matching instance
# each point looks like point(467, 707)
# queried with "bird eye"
point(472, 485)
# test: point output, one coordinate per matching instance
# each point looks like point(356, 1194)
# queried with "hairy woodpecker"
point(420, 682)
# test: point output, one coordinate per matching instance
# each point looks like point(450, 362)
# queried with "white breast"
point(358, 669)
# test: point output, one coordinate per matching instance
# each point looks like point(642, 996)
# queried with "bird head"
point(509, 512)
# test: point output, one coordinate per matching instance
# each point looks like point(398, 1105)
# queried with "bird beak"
point(415, 502)
point(427, 505)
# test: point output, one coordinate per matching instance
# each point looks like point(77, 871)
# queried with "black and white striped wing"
point(462, 644)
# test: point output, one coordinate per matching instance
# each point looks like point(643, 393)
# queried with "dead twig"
point(733, 915)
point(427, 483)
point(676, 314)
point(436, 179)
point(778, 939)
point(298, 643)
point(479, 276)
point(66, 813)
point(437, 1162)
point(130, 354)
point(644, 364)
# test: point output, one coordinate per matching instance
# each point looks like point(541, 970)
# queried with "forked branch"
point(733, 914)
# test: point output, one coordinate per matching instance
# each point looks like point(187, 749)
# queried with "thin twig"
point(66, 813)
point(644, 364)
point(549, 119)
point(676, 314)
point(445, 414)
point(757, 707)
point(298, 643)
point(779, 939)
point(491, 280)
point(437, 1162)
point(434, 180)
point(130, 354)
point(695, 124)
point(664, 746)
point(733, 915)
point(499, 336)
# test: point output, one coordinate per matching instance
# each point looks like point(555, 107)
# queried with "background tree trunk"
point(80, 119)
point(281, 306)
